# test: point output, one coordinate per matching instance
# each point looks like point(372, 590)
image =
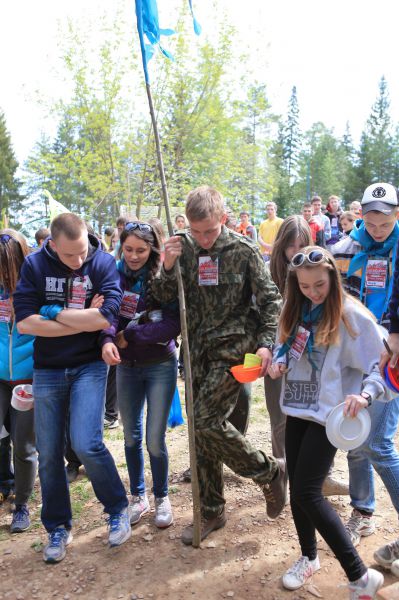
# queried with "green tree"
point(88, 165)
point(292, 136)
point(10, 196)
point(377, 151)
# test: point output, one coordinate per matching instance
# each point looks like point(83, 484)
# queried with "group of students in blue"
point(68, 311)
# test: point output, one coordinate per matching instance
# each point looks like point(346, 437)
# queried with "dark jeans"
point(309, 457)
point(111, 398)
point(21, 428)
point(6, 469)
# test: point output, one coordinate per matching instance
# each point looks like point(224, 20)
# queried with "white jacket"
point(349, 367)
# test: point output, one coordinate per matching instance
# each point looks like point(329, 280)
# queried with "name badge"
point(299, 344)
point(376, 273)
point(5, 309)
point(129, 304)
point(208, 271)
point(78, 295)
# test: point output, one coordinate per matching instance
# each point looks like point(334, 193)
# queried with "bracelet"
point(367, 397)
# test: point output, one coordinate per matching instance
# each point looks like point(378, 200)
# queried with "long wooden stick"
point(184, 335)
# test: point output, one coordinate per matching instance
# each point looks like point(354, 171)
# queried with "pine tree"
point(292, 138)
point(9, 184)
point(377, 152)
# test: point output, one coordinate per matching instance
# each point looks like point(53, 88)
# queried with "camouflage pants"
point(217, 441)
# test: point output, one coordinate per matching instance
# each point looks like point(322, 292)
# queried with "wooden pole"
point(184, 335)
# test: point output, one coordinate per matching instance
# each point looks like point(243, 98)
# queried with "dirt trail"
point(245, 560)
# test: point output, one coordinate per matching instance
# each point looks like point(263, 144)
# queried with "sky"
point(333, 52)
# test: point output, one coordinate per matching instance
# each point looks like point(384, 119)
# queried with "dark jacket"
point(148, 342)
point(46, 280)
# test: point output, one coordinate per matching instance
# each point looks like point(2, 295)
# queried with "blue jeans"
point(80, 391)
point(379, 452)
point(157, 384)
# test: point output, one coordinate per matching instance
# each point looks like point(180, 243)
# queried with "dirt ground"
point(245, 560)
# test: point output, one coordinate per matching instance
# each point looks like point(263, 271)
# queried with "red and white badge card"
point(129, 304)
point(299, 344)
point(376, 273)
point(208, 271)
point(78, 295)
point(5, 310)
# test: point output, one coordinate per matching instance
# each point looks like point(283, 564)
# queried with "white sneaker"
point(163, 512)
point(300, 572)
point(375, 580)
point(138, 507)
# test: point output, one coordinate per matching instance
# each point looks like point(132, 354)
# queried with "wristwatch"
point(367, 397)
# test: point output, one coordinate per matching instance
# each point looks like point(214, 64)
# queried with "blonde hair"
point(327, 332)
point(204, 202)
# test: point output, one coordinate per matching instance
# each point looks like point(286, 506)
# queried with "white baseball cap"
point(381, 197)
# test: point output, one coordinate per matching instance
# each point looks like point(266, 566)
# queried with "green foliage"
point(377, 155)
point(215, 128)
point(10, 197)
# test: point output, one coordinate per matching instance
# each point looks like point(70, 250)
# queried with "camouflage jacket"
point(241, 311)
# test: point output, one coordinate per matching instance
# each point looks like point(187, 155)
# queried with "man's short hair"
point(244, 212)
point(306, 205)
point(41, 234)
point(69, 224)
point(204, 202)
point(315, 199)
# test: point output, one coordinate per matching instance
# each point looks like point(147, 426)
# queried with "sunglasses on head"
point(143, 227)
point(314, 258)
point(5, 238)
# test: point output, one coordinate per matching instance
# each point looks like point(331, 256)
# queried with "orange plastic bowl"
point(246, 375)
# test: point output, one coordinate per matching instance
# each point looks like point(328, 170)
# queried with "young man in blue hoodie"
point(55, 300)
point(366, 259)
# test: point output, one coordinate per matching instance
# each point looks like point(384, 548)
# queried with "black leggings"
point(309, 457)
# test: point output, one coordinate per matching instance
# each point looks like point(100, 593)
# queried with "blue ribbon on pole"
point(149, 29)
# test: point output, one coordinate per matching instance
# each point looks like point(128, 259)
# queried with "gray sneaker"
point(359, 526)
point(119, 528)
point(58, 540)
point(20, 519)
point(163, 512)
point(138, 507)
point(387, 554)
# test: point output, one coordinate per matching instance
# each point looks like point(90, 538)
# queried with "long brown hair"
point(292, 228)
point(13, 249)
point(327, 332)
point(154, 260)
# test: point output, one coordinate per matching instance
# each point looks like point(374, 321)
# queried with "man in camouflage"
point(231, 309)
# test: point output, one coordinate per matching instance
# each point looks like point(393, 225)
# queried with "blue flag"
point(148, 26)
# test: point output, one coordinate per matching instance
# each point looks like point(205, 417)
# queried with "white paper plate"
point(347, 433)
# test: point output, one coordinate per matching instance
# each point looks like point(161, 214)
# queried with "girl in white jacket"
point(329, 348)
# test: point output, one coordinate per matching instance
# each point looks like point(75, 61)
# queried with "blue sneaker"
point(20, 519)
point(58, 540)
point(119, 528)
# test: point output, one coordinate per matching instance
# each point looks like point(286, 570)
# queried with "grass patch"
point(80, 494)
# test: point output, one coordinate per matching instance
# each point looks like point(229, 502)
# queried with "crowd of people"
point(93, 325)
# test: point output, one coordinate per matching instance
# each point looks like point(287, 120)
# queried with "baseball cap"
point(382, 197)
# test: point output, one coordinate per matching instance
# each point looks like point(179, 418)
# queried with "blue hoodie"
point(44, 280)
